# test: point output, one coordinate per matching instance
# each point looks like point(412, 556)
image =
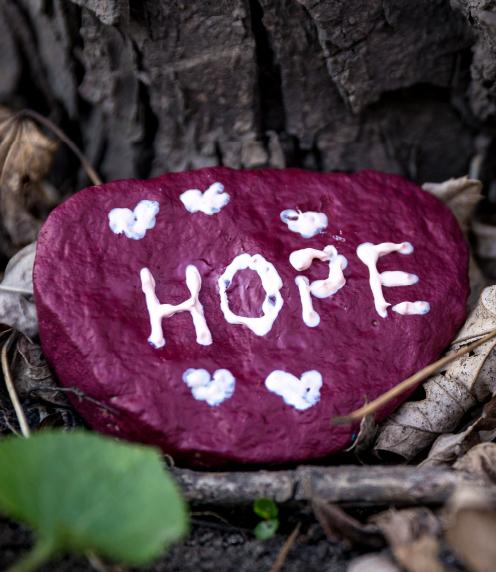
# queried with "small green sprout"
point(267, 510)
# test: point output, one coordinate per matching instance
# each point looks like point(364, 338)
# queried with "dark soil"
point(209, 547)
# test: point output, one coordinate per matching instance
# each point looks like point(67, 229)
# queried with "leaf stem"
point(42, 551)
point(91, 173)
point(410, 382)
point(9, 383)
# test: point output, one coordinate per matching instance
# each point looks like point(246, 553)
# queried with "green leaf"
point(266, 529)
point(265, 508)
point(83, 492)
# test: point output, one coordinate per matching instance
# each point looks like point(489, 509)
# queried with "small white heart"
point(299, 393)
point(134, 223)
point(209, 202)
point(306, 224)
point(212, 389)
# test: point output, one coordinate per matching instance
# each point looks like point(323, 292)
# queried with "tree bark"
point(147, 86)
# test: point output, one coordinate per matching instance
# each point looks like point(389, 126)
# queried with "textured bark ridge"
point(149, 86)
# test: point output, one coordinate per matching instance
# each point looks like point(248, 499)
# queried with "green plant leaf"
point(265, 508)
point(83, 492)
point(266, 529)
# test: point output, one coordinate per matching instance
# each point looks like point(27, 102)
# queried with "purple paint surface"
point(94, 322)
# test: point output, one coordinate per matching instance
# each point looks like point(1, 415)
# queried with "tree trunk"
point(147, 86)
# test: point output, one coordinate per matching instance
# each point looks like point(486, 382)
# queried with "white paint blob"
point(336, 280)
point(307, 224)
point(298, 393)
point(158, 311)
point(134, 223)
point(412, 308)
point(271, 283)
point(212, 389)
point(310, 317)
point(369, 254)
point(209, 202)
point(302, 260)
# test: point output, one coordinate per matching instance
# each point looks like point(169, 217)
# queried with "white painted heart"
point(134, 223)
point(299, 393)
point(306, 224)
point(209, 202)
point(212, 389)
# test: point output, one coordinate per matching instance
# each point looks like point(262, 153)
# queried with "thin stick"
point(92, 174)
point(286, 547)
point(21, 418)
point(408, 383)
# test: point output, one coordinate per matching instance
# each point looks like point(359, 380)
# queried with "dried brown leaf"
point(471, 528)
point(32, 375)
point(413, 537)
point(450, 394)
point(26, 155)
point(364, 441)
point(17, 308)
point(479, 461)
point(340, 526)
point(373, 563)
point(460, 195)
point(448, 447)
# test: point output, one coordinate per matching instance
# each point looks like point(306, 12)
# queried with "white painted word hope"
point(301, 260)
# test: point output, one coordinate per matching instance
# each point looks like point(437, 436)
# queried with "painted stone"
point(226, 315)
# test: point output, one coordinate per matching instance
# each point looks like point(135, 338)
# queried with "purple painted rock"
point(226, 315)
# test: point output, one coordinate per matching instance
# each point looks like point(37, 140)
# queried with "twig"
point(286, 547)
point(372, 485)
point(92, 174)
point(408, 383)
point(21, 418)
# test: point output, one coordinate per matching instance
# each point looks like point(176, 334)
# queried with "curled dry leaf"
point(340, 526)
point(17, 308)
point(479, 461)
point(449, 447)
point(32, 376)
point(461, 196)
point(365, 438)
point(451, 393)
point(471, 528)
point(413, 537)
point(26, 156)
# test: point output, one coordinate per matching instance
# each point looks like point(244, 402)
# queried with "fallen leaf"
point(32, 376)
point(413, 537)
point(17, 308)
point(340, 526)
point(404, 526)
point(82, 492)
point(479, 461)
point(461, 195)
point(451, 393)
point(364, 441)
point(26, 155)
point(471, 528)
point(373, 563)
point(448, 447)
